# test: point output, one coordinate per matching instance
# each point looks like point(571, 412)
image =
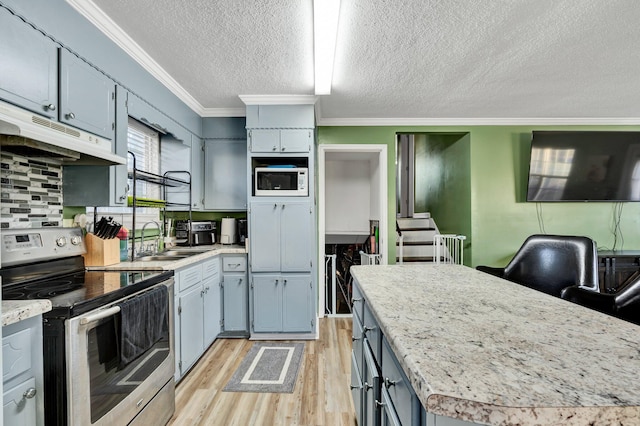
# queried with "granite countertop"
point(486, 350)
point(18, 310)
point(170, 265)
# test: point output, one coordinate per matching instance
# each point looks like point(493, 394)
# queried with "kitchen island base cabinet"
point(381, 392)
point(22, 373)
point(282, 303)
point(197, 315)
point(235, 297)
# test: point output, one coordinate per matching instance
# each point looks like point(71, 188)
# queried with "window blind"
point(144, 142)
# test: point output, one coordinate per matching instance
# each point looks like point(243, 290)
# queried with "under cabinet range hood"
point(32, 135)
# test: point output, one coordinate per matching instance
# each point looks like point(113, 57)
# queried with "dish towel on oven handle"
point(144, 320)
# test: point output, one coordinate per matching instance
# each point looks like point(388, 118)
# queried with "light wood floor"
point(321, 395)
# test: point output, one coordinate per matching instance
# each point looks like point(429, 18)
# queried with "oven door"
point(100, 390)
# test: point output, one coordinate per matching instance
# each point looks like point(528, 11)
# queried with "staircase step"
point(408, 222)
point(417, 259)
point(418, 250)
point(415, 243)
point(420, 228)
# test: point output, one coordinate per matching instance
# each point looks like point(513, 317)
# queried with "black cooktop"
point(73, 291)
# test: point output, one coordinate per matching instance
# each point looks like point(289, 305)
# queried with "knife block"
point(101, 252)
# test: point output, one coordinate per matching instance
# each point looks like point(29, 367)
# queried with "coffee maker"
point(242, 231)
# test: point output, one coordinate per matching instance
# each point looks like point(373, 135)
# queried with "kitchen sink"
point(179, 252)
point(169, 255)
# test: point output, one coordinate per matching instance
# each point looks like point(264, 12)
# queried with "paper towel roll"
point(228, 230)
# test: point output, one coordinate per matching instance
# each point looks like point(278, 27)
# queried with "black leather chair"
point(624, 304)
point(551, 263)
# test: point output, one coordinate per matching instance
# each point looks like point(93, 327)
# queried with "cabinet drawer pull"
point(29, 393)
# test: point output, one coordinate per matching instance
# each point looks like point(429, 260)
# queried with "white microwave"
point(281, 181)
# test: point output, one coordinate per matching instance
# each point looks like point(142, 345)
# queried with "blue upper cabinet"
point(25, 52)
point(87, 97)
point(281, 141)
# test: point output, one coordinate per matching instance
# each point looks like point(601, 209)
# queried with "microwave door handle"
point(100, 315)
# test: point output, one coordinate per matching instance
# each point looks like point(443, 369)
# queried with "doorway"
point(352, 197)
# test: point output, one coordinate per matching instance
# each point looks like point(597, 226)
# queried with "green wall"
point(443, 182)
point(498, 166)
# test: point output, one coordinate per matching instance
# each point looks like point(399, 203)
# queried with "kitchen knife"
point(99, 231)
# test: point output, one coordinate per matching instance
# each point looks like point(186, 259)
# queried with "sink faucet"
point(142, 236)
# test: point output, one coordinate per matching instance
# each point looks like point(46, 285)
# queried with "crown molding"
point(278, 99)
point(104, 23)
point(224, 112)
point(550, 121)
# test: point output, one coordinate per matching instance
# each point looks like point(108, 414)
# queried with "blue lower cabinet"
point(235, 296)
point(401, 394)
point(282, 303)
point(371, 390)
point(388, 415)
point(356, 388)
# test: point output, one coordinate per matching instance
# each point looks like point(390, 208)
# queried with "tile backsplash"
point(31, 193)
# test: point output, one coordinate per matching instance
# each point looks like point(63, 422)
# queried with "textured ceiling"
point(402, 59)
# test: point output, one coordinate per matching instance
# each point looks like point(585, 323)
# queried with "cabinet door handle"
point(70, 116)
point(283, 207)
point(283, 148)
point(355, 387)
point(365, 329)
point(389, 383)
point(50, 107)
point(285, 282)
point(354, 338)
point(379, 404)
point(29, 393)
point(367, 386)
point(277, 282)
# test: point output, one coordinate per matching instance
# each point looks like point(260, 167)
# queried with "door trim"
point(381, 151)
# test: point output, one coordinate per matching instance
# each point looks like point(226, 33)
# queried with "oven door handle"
point(100, 315)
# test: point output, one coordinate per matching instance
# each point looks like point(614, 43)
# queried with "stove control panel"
point(20, 246)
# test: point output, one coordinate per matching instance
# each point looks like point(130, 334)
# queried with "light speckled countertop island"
point(482, 349)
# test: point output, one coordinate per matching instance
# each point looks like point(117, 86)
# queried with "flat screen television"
point(584, 166)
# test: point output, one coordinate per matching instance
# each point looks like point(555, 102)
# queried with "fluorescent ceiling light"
point(325, 32)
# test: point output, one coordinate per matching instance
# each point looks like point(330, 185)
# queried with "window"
point(144, 142)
